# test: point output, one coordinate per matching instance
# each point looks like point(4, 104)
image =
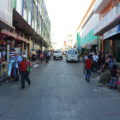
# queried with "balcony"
point(100, 5)
point(108, 22)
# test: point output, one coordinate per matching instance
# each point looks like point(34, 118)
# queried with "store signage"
point(112, 32)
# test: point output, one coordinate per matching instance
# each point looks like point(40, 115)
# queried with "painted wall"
point(6, 11)
point(93, 21)
point(109, 7)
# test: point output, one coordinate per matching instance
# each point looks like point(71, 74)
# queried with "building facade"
point(6, 14)
point(85, 32)
point(108, 27)
point(24, 26)
point(34, 16)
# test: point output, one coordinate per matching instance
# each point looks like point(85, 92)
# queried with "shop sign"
point(112, 32)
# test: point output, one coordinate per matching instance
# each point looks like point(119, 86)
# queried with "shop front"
point(11, 42)
point(5, 43)
point(112, 41)
point(90, 42)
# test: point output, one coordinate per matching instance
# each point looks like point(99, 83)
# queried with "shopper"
point(88, 67)
point(25, 67)
point(85, 57)
point(41, 57)
point(95, 62)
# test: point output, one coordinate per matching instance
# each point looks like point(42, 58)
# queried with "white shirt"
point(85, 58)
point(0, 55)
point(95, 58)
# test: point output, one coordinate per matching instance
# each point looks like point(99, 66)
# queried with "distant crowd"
point(97, 62)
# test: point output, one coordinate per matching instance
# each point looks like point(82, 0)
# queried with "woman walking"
point(88, 67)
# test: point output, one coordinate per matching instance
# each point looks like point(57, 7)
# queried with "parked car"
point(57, 55)
point(72, 55)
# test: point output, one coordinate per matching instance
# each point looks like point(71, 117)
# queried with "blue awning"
point(112, 32)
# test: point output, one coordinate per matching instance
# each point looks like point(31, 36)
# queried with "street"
point(58, 91)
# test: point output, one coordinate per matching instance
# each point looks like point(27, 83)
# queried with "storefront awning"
point(4, 25)
point(20, 23)
point(112, 32)
point(22, 39)
point(14, 35)
point(7, 33)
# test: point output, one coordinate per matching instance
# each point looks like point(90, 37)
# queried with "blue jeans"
point(88, 74)
point(113, 81)
point(24, 76)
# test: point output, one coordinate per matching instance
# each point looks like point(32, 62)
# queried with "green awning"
point(78, 39)
point(89, 38)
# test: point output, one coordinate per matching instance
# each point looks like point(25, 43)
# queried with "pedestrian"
point(114, 78)
point(16, 68)
point(85, 57)
point(41, 57)
point(17, 61)
point(49, 54)
point(95, 62)
point(88, 67)
point(25, 67)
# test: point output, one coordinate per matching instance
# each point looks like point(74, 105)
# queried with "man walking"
point(95, 62)
point(88, 66)
point(24, 70)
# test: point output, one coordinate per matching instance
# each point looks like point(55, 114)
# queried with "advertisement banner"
point(112, 32)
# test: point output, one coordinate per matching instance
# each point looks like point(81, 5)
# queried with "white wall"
point(6, 11)
point(93, 21)
point(19, 6)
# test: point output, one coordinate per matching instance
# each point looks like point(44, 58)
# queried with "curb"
point(4, 79)
point(35, 63)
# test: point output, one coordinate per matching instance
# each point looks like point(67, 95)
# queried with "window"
point(72, 52)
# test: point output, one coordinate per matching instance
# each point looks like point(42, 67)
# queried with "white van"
point(57, 55)
point(72, 55)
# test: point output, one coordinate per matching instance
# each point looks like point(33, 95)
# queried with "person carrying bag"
point(25, 68)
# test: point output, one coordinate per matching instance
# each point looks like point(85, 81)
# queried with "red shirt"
point(88, 64)
point(23, 65)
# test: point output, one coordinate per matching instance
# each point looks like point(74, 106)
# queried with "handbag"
point(28, 67)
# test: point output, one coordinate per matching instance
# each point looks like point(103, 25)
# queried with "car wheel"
point(77, 61)
point(54, 58)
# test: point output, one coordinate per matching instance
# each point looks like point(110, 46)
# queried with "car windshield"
point(72, 52)
point(57, 51)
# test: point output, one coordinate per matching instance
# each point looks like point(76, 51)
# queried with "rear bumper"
point(57, 57)
point(72, 59)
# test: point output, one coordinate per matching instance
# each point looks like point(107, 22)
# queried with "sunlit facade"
point(109, 25)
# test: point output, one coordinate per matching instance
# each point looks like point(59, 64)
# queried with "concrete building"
point(108, 27)
point(6, 15)
point(85, 31)
point(24, 25)
point(31, 17)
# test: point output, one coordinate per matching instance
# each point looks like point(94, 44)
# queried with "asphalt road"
point(58, 92)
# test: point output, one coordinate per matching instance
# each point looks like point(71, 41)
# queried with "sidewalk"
point(34, 62)
point(5, 78)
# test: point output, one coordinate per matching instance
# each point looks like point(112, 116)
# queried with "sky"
point(65, 16)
